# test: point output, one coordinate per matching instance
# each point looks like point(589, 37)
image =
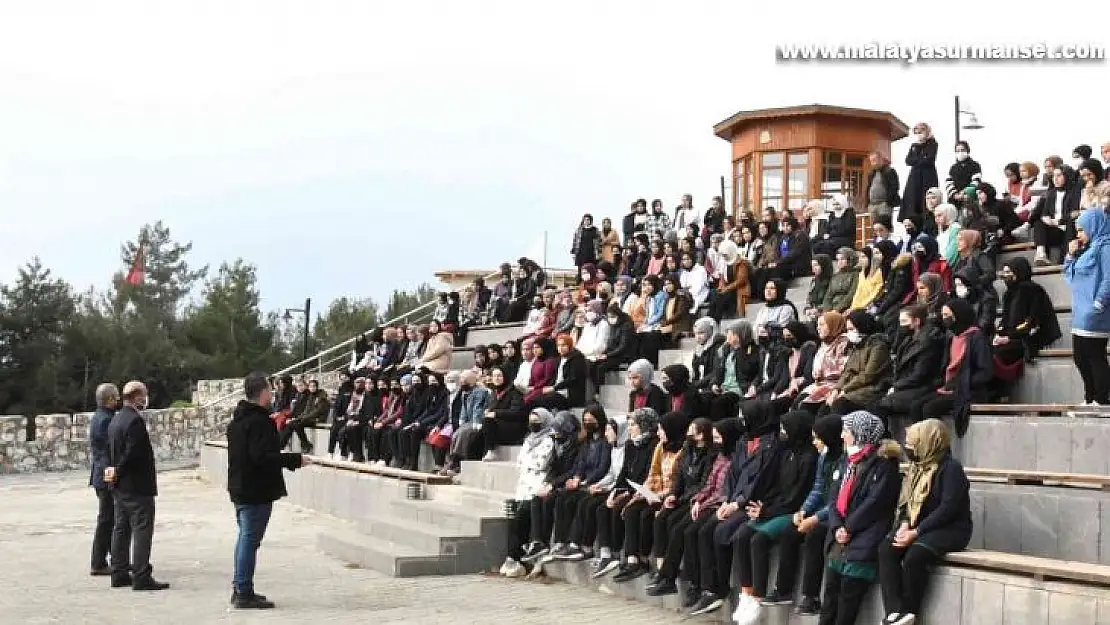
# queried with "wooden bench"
point(384, 471)
point(1022, 409)
point(1018, 477)
point(360, 467)
point(1039, 569)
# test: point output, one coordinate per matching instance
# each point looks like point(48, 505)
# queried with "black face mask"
point(909, 232)
point(691, 440)
point(792, 342)
point(591, 428)
point(1009, 278)
point(949, 322)
point(534, 426)
point(911, 455)
point(905, 330)
point(538, 305)
point(920, 254)
point(764, 341)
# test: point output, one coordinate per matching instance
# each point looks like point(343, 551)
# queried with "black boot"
point(147, 582)
point(235, 597)
point(252, 602)
point(121, 580)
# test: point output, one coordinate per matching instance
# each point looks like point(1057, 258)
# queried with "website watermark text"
point(910, 54)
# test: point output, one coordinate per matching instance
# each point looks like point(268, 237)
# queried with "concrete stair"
point(453, 530)
point(486, 335)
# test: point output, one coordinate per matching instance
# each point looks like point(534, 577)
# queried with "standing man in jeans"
point(254, 481)
point(134, 486)
point(107, 399)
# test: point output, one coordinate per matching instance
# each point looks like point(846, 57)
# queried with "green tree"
point(227, 334)
point(402, 302)
point(167, 277)
point(37, 315)
point(344, 318)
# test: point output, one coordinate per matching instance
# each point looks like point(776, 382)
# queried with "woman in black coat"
point(933, 519)
point(569, 389)
point(922, 161)
point(505, 420)
point(620, 349)
point(862, 501)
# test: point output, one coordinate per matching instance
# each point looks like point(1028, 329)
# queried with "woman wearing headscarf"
point(866, 373)
point(932, 295)
point(567, 444)
point(583, 530)
point(928, 260)
point(809, 525)
point(568, 389)
point(670, 522)
point(677, 321)
point(735, 371)
point(590, 467)
point(967, 285)
point(620, 346)
point(822, 269)
point(586, 248)
point(966, 370)
point(722, 438)
point(917, 354)
point(773, 514)
point(897, 291)
point(416, 402)
point(521, 296)
point(639, 514)
point(840, 227)
point(948, 227)
point(922, 161)
point(648, 333)
point(610, 240)
point(828, 362)
point(733, 289)
point(595, 334)
point(683, 397)
point(865, 489)
point(643, 428)
point(933, 519)
point(503, 421)
point(543, 372)
point(794, 251)
point(1087, 270)
point(874, 263)
point(969, 255)
point(524, 368)
point(707, 351)
point(778, 311)
point(1054, 217)
point(643, 392)
point(412, 435)
point(564, 314)
point(533, 465)
point(842, 287)
point(1028, 323)
point(800, 348)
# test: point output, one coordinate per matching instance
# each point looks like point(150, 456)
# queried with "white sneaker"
point(515, 570)
point(906, 619)
point(742, 607)
point(751, 612)
point(489, 457)
point(505, 566)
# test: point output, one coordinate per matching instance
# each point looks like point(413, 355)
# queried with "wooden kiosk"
point(788, 156)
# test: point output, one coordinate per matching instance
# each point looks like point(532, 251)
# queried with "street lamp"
point(307, 312)
point(972, 124)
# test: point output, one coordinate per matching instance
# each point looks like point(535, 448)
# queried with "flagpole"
point(545, 251)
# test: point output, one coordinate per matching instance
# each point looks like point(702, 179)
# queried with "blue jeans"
point(252, 520)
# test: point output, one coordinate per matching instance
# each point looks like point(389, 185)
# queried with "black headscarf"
point(798, 425)
point(963, 313)
point(1024, 300)
point(759, 419)
point(674, 425)
point(864, 323)
point(678, 379)
point(731, 430)
point(889, 251)
point(828, 429)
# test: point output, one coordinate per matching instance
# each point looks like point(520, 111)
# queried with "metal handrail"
point(331, 349)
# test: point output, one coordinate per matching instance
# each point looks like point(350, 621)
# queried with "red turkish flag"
point(138, 269)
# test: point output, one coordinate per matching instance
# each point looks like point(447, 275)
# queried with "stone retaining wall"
point(61, 440)
point(208, 391)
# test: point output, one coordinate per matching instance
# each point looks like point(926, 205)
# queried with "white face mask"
point(585, 276)
point(854, 336)
point(961, 291)
point(852, 449)
point(1076, 163)
point(918, 136)
point(591, 316)
point(452, 387)
point(962, 156)
point(614, 320)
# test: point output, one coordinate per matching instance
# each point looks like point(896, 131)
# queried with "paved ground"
point(45, 530)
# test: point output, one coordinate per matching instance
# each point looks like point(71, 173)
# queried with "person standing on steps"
point(134, 484)
point(254, 482)
point(107, 399)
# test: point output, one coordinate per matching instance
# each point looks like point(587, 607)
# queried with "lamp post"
point(307, 312)
point(973, 121)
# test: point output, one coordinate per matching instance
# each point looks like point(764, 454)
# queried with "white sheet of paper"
point(644, 492)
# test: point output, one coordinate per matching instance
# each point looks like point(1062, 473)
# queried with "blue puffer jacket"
point(1088, 274)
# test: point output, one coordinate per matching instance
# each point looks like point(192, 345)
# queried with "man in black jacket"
point(107, 399)
point(254, 482)
point(134, 483)
point(882, 187)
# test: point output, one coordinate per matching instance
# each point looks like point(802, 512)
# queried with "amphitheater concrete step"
point(1052, 279)
point(499, 334)
point(499, 477)
point(1063, 444)
point(385, 557)
point(956, 595)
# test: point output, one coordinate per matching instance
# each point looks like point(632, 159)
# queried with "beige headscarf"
point(931, 440)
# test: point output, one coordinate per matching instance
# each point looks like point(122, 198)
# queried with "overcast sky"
point(348, 148)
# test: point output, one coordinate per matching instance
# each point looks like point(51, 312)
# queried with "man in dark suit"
point(254, 482)
point(107, 399)
point(134, 486)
